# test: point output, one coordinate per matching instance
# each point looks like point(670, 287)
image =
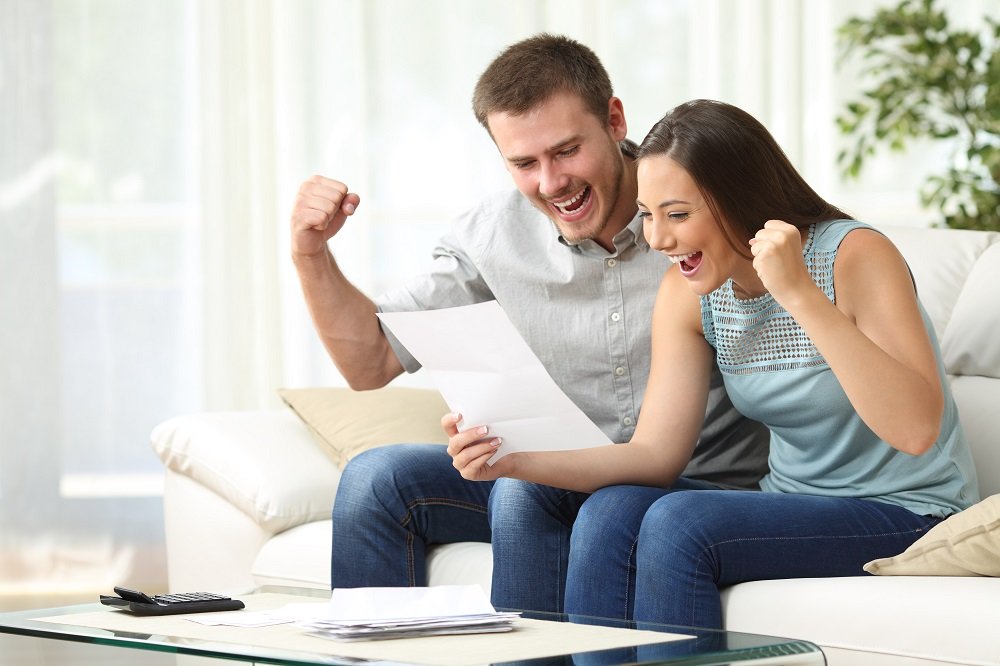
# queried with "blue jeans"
point(682, 547)
point(393, 502)
point(534, 542)
point(531, 526)
point(601, 580)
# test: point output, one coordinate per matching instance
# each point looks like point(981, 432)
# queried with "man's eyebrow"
point(576, 138)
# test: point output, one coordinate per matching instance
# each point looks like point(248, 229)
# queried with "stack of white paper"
point(412, 628)
point(371, 613)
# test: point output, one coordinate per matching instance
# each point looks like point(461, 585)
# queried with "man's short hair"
point(529, 72)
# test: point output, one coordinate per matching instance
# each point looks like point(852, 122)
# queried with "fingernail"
point(496, 442)
point(483, 430)
point(349, 208)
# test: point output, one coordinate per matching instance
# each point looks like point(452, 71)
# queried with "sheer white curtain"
point(149, 155)
point(99, 241)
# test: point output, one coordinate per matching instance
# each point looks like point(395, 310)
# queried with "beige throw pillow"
point(965, 544)
point(347, 422)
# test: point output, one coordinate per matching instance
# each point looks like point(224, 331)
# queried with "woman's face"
point(678, 223)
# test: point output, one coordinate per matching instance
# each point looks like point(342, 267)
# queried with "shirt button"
point(619, 371)
point(627, 420)
point(615, 316)
point(612, 262)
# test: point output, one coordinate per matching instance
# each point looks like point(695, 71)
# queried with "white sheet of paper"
point(485, 371)
point(363, 605)
point(241, 619)
point(397, 603)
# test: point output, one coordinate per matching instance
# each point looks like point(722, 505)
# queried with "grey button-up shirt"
point(585, 312)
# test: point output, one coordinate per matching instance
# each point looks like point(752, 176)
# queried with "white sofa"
point(258, 487)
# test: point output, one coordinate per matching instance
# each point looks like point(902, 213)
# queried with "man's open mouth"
point(574, 204)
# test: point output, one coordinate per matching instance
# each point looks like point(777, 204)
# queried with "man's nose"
point(553, 180)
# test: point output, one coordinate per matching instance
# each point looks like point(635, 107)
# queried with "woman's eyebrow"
point(672, 202)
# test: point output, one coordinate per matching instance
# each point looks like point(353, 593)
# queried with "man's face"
point(568, 164)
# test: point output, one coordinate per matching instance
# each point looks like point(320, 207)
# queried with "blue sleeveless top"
point(819, 445)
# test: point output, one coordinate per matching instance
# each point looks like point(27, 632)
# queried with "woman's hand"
point(471, 448)
point(777, 258)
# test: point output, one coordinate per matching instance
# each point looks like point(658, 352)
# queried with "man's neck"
point(625, 207)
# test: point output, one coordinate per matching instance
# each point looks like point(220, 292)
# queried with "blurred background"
point(149, 155)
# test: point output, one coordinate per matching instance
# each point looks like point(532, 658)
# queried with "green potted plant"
point(929, 80)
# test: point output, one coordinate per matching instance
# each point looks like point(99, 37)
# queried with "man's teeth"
point(564, 205)
point(677, 258)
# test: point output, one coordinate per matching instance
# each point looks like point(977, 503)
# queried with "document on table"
point(378, 613)
point(485, 371)
point(374, 613)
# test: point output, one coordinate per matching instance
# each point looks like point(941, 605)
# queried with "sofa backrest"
point(958, 281)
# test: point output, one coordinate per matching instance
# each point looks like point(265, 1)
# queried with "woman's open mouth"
point(688, 263)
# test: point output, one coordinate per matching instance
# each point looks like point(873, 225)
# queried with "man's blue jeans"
point(672, 552)
point(393, 502)
point(531, 531)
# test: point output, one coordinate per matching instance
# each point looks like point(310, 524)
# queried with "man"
point(565, 257)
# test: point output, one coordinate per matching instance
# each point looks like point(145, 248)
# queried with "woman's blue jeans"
point(534, 534)
point(655, 556)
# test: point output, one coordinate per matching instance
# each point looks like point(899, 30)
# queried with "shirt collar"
point(630, 235)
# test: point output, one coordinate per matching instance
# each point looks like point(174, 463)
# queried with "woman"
point(815, 324)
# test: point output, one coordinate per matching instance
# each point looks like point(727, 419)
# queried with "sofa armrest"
point(211, 545)
point(265, 463)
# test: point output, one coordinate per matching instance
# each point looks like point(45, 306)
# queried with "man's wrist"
point(311, 261)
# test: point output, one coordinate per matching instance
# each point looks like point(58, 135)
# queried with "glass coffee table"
point(632, 644)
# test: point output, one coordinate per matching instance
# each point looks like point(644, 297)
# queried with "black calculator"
point(141, 603)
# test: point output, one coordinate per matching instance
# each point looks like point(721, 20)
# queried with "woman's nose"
point(657, 235)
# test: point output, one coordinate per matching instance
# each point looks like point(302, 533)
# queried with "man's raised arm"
point(343, 316)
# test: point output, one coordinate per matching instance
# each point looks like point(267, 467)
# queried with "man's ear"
point(616, 119)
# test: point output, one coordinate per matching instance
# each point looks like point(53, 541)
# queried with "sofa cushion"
point(347, 422)
point(263, 462)
point(965, 544)
point(300, 557)
point(933, 618)
point(970, 344)
point(940, 260)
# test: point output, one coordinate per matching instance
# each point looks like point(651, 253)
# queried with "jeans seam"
point(411, 566)
point(411, 558)
point(628, 577)
point(916, 530)
point(428, 501)
point(564, 548)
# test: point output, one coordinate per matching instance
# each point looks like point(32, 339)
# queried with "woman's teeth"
point(677, 258)
point(688, 263)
